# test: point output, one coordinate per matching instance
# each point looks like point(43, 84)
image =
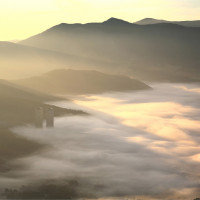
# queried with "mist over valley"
point(107, 110)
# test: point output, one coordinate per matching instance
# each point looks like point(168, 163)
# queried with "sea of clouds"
point(144, 144)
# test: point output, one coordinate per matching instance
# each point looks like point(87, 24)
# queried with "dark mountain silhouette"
point(81, 82)
point(17, 107)
point(113, 20)
point(17, 104)
point(146, 21)
point(189, 23)
point(161, 52)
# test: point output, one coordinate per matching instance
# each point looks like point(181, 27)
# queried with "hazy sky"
point(22, 18)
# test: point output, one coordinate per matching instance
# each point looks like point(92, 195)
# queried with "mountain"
point(81, 82)
point(116, 21)
point(189, 23)
point(17, 104)
point(20, 61)
point(17, 107)
point(157, 52)
point(147, 21)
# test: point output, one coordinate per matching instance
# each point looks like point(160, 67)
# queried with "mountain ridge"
point(157, 52)
point(114, 20)
point(190, 23)
point(68, 81)
point(17, 106)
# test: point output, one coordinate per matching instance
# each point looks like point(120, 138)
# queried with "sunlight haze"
point(100, 99)
point(37, 15)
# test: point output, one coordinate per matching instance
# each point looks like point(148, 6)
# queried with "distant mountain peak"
point(114, 20)
point(149, 18)
point(146, 21)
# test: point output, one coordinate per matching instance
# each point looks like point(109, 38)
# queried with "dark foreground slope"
point(81, 82)
point(17, 107)
point(161, 52)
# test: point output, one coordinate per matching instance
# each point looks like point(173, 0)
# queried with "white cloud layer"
point(143, 143)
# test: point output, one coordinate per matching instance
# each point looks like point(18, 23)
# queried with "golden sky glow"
point(23, 18)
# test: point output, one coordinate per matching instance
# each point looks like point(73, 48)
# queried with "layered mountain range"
point(152, 52)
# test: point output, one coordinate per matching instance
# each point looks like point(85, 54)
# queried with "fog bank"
point(142, 144)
